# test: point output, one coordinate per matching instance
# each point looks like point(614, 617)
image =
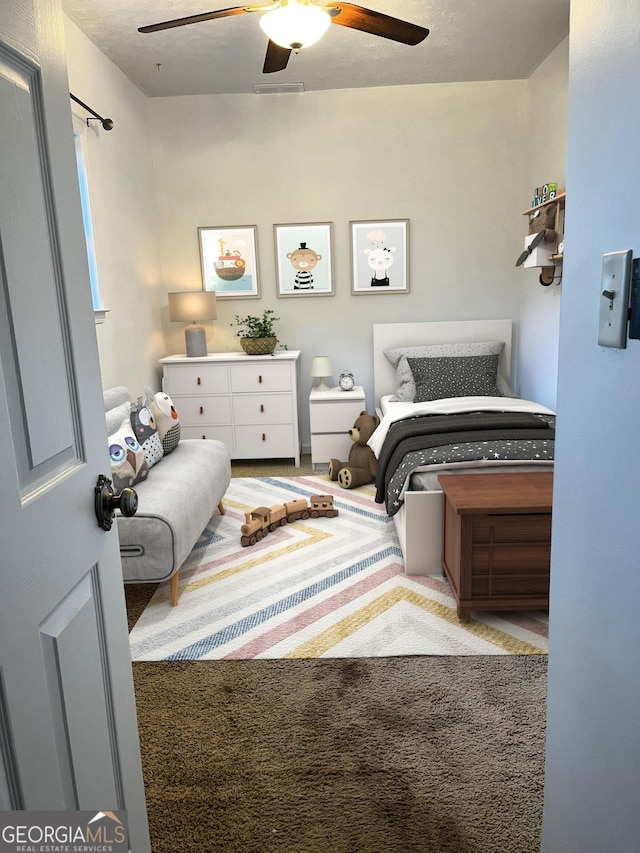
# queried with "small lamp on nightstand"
point(193, 307)
point(321, 366)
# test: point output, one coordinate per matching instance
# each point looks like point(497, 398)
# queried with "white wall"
point(592, 790)
point(122, 191)
point(459, 161)
point(539, 311)
point(450, 158)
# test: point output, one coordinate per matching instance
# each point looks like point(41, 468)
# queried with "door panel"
point(68, 735)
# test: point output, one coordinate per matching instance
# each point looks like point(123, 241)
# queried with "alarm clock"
point(346, 381)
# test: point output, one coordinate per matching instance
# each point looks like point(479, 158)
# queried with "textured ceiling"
point(469, 40)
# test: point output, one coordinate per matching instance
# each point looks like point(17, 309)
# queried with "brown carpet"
point(385, 755)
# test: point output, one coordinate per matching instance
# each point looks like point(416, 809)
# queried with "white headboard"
point(386, 335)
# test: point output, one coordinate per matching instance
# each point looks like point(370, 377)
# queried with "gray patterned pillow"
point(397, 356)
point(450, 376)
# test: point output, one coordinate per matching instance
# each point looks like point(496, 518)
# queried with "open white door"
point(68, 734)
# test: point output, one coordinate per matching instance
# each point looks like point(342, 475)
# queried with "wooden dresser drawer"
point(197, 379)
point(194, 411)
point(263, 409)
point(220, 433)
point(274, 440)
point(335, 416)
point(260, 376)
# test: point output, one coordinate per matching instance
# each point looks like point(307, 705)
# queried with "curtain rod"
point(107, 123)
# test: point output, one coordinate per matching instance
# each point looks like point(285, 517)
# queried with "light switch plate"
point(614, 299)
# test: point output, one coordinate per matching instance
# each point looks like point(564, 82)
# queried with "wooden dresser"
point(249, 402)
point(497, 540)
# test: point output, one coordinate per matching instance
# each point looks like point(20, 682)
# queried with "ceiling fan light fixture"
point(295, 24)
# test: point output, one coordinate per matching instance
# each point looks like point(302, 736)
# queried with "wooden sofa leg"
point(174, 585)
point(221, 508)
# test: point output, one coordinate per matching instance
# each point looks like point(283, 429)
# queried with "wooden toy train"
point(263, 519)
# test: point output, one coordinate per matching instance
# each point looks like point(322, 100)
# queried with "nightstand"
point(332, 414)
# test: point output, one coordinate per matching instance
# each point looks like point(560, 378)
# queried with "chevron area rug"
point(317, 587)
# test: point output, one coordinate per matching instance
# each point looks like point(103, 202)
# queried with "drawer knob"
point(264, 437)
point(261, 407)
point(204, 436)
point(259, 378)
point(201, 410)
point(198, 381)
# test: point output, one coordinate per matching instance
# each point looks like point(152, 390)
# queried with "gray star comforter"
point(415, 440)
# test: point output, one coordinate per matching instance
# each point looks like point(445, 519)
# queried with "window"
point(79, 138)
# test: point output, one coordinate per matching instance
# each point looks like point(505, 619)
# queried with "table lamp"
point(321, 366)
point(193, 307)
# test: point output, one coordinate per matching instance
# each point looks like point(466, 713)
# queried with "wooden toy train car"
point(259, 521)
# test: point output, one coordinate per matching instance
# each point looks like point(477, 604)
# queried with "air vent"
point(277, 88)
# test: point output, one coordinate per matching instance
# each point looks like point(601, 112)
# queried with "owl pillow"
point(145, 430)
point(166, 417)
point(128, 465)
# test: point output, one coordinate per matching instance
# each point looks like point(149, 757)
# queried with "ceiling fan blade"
point(350, 15)
point(276, 58)
point(193, 19)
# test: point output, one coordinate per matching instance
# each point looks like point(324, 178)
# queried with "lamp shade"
point(295, 24)
point(321, 366)
point(191, 307)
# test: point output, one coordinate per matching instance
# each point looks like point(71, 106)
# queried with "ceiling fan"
point(295, 24)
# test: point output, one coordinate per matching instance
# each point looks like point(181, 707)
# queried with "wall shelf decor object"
point(380, 256)
point(544, 252)
point(229, 261)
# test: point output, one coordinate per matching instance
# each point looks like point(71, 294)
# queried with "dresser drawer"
point(194, 411)
point(198, 378)
point(260, 376)
point(326, 446)
point(262, 409)
point(264, 442)
point(334, 416)
point(220, 433)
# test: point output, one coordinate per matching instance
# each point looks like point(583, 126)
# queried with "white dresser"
point(332, 414)
point(250, 402)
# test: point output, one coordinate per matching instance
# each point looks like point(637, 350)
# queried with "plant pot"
point(258, 346)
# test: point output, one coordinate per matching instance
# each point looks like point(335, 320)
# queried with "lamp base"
point(195, 339)
point(322, 386)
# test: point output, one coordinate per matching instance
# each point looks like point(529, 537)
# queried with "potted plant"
point(257, 334)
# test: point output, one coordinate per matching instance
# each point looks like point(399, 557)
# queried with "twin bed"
point(444, 395)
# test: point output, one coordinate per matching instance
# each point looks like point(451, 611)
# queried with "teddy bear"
point(362, 466)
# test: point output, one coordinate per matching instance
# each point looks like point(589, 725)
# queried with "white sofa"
point(175, 504)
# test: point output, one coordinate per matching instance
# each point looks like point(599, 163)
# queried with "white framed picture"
point(380, 256)
point(303, 259)
point(229, 261)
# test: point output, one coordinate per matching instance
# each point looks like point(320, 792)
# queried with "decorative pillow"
point(397, 356)
point(166, 418)
point(454, 376)
point(128, 465)
point(145, 430)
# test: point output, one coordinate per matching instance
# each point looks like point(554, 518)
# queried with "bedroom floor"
point(138, 595)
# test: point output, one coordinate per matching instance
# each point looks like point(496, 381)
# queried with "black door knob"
point(106, 503)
